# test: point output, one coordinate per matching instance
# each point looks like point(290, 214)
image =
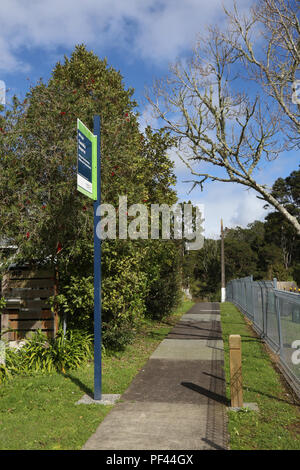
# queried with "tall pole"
point(223, 288)
point(97, 275)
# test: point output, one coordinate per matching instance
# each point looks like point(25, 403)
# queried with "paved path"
point(177, 401)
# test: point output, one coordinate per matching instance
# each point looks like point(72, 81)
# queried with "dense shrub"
point(116, 336)
point(2, 303)
point(54, 222)
point(47, 355)
point(123, 292)
point(164, 278)
point(76, 302)
point(4, 373)
point(296, 273)
point(139, 279)
point(124, 285)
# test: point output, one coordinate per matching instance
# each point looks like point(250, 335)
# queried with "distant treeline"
point(264, 249)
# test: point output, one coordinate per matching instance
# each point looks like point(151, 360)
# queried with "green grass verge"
point(277, 424)
point(38, 412)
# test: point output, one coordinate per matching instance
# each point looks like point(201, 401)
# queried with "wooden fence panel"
point(31, 325)
point(26, 283)
point(28, 294)
point(29, 274)
point(28, 309)
point(19, 315)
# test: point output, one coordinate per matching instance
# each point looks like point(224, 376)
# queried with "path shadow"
point(207, 393)
point(250, 340)
point(84, 388)
point(157, 336)
point(213, 444)
point(250, 337)
point(288, 401)
point(214, 376)
point(294, 401)
point(193, 325)
point(191, 336)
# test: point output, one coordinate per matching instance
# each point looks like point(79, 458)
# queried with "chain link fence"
point(275, 315)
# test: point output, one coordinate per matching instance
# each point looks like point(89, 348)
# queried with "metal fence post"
point(252, 298)
point(277, 304)
point(263, 309)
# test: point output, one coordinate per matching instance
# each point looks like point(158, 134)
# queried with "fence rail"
point(275, 315)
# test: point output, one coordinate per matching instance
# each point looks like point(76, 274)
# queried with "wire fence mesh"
point(275, 315)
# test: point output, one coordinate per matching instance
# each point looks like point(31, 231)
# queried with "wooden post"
point(236, 384)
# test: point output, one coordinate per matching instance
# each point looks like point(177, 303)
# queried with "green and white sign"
point(86, 161)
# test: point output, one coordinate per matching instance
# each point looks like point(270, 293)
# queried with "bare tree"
point(230, 132)
point(268, 40)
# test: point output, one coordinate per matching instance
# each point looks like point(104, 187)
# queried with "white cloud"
point(158, 30)
point(181, 170)
point(147, 118)
point(236, 205)
point(9, 60)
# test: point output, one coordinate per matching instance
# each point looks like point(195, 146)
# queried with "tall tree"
point(220, 127)
point(51, 222)
point(278, 231)
point(268, 39)
point(40, 207)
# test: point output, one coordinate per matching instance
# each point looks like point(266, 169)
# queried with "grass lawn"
point(38, 412)
point(277, 424)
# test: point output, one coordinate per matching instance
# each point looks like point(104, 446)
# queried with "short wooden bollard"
point(236, 384)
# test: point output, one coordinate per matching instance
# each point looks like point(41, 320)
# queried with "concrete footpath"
point(177, 401)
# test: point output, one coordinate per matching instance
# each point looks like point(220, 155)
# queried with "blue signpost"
point(89, 183)
point(97, 275)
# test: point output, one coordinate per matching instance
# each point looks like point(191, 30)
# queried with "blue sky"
point(140, 38)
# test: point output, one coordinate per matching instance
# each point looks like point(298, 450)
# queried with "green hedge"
point(139, 279)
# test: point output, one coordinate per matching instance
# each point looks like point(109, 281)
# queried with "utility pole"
point(223, 288)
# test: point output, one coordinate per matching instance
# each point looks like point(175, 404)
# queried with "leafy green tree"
point(40, 207)
point(206, 277)
point(256, 249)
point(240, 259)
point(163, 265)
point(287, 190)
